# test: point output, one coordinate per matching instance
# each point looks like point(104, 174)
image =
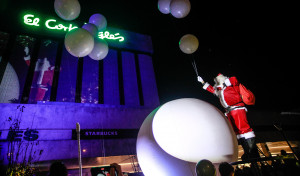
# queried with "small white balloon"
point(192, 130)
point(180, 8)
point(79, 42)
point(93, 30)
point(67, 9)
point(188, 43)
point(98, 20)
point(100, 50)
point(164, 6)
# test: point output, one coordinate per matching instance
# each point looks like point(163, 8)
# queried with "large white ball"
point(154, 160)
point(192, 130)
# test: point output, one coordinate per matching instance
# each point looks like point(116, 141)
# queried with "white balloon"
point(188, 43)
point(164, 6)
point(93, 30)
point(192, 130)
point(79, 42)
point(67, 9)
point(100, 50)
point(98, 20)
point(180, 8)
point(155, 161)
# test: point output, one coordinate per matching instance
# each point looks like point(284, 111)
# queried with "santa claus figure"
point(227, 90)
point(42, 80)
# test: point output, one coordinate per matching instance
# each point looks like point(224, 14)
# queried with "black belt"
point(228, 109)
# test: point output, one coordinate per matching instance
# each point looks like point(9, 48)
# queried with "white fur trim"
point(249, 135)
point(205, 85)
point(239, 136)
point(227, 82)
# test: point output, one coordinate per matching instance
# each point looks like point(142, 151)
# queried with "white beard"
point(219, 81)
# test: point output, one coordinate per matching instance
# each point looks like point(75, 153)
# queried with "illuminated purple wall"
point(54, 123)
point(111, 79)
point(148, 80)
point(116, 95)
point(90, 81)
point(125, 77)
point(67, 78)
point(130, 82)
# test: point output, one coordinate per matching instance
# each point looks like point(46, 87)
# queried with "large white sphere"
point(154, 160)
point(192, 130)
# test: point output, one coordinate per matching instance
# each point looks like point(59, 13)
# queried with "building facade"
point(45, 91)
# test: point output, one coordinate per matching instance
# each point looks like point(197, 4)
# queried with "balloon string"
point(195, 66)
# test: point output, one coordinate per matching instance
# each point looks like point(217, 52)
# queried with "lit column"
point(111, 79)
point(131, 92)
point(148, 81)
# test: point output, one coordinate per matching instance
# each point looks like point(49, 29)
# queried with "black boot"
point(250, 148)
point(244, 144)
point(253, 151)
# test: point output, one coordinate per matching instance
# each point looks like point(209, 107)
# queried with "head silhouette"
point(226, 169)
point(58, 169)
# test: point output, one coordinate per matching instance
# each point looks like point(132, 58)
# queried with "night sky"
point(256, 42)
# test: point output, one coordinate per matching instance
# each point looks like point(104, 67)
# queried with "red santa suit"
point(229, 95)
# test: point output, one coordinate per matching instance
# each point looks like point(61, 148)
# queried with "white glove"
point(200, 79)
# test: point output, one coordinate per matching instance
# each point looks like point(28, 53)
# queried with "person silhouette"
point(226, 169)
point(58, 168)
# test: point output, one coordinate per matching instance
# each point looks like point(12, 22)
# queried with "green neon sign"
point(29, 19)
point(52, 24)
point(107, 35)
